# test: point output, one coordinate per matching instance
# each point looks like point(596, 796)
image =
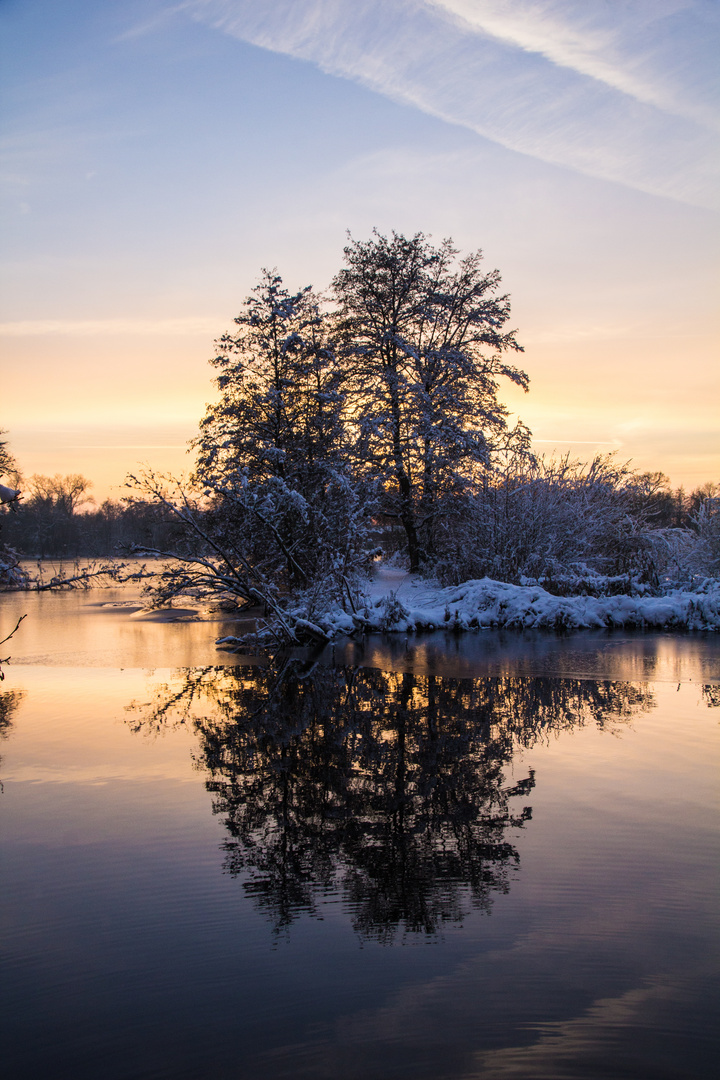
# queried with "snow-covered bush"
point(12, 575)
point(705, 523)
point(275, 455)
point(574, 528)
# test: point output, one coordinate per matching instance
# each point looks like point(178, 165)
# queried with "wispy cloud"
point(624, 95)
point(156, 20)
point(126, 446)
point(186, 327)
point(564, 441)
point(636, 48)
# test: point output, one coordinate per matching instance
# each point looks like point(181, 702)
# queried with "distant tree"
point(48, 522)
point(424, 337)
point(8, 464)
point(11, 574)
point(653, 500)
point(62, 494)
point(707, 493)
point(704, 520)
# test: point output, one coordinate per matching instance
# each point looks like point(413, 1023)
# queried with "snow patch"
point(488, 604)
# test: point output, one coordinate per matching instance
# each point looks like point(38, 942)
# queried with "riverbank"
point(395, 601)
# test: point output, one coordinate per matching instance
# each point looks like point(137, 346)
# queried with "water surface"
point(488, 856)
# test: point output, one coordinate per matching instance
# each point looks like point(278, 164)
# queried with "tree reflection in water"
point(9, 701)
point(388, 788)
point(711, 695)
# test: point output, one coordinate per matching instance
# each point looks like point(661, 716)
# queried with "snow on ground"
point(394, 600)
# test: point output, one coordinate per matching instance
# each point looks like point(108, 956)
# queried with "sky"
point(155, 156)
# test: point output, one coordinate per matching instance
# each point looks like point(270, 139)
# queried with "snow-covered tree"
point(8, 464)
point(424, 337)
point(278, 412)
point(273, 451)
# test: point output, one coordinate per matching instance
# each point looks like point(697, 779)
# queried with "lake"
point(485, 856)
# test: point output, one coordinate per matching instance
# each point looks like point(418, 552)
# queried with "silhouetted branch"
point(6, 659)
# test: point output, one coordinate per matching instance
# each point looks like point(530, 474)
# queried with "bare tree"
point(63, 494)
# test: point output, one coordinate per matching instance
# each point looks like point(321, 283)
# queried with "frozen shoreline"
point(395, 601)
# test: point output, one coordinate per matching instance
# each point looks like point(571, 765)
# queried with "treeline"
point(525, 522)
point(56, 520)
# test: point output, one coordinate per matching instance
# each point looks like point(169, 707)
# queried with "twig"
point(7, 658)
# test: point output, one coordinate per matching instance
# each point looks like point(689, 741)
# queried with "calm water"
point(490, 856)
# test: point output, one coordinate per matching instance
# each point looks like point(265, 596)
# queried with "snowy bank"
point(396, 602)
point(486, 604)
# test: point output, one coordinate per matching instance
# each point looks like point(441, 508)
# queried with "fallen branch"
point(84, 577)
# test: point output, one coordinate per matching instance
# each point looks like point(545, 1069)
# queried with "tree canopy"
point(424, 334)
point(384, 399)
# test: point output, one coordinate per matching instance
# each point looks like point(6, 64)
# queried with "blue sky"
point(156, 155)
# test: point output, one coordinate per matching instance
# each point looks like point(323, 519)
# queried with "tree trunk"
point(407, 514)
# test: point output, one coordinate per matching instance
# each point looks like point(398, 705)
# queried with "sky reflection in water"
point(303, 870)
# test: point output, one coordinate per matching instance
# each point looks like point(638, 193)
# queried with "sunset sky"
point(157, 155)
